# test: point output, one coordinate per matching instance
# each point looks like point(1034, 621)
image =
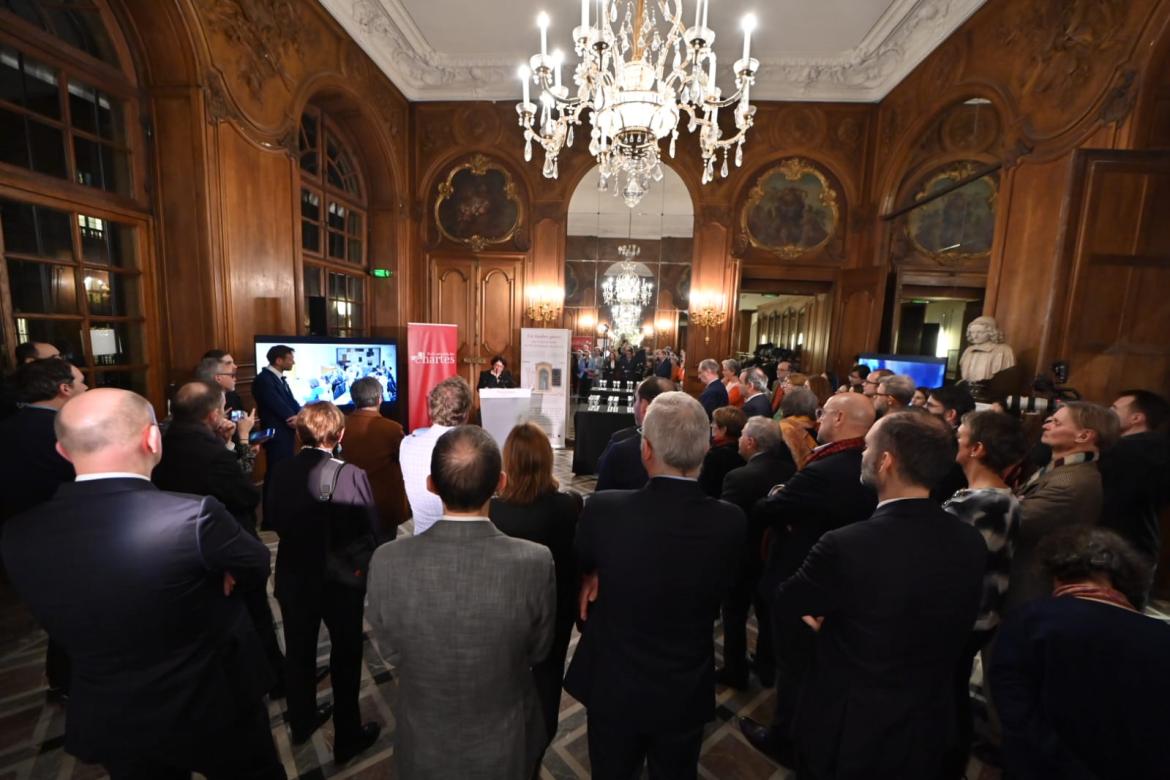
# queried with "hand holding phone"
point(261, 436)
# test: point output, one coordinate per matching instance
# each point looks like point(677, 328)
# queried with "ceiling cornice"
point(901, 38)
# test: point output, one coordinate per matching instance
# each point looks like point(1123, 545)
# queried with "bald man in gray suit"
point(463, 612)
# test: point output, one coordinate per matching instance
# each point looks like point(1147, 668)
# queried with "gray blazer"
point(463, 612)
point(1064, 497)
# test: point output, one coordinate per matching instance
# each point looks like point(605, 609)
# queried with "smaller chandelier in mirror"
point(627, 294)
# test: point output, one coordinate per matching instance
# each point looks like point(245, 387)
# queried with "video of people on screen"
point(326, 372)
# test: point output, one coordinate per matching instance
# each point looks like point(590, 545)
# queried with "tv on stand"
point(925, 370)
point(326, 367)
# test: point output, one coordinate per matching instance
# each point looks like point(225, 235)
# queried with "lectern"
point(501, 410)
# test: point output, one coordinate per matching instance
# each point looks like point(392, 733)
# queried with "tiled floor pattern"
point(31, 728)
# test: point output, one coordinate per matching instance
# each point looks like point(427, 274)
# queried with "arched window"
point(333, 229)
point(74, 217)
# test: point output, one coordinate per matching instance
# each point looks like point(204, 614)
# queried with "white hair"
point(766, 433)
point(677, 427)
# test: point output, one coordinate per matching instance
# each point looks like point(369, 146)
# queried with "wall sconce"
point(648, 330)
point(544, 303)
point(664, 325)
point(707, 312)
point(587, 321)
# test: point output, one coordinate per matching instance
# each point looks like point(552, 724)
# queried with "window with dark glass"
point(333, 216)
point(71, 270)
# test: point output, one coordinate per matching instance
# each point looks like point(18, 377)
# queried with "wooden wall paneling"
point(452, 285)
point(500, 290)
point(1116, 326)
point(857, 318)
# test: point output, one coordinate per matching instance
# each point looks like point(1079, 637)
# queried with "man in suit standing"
point(662, 558)
point(140, 586)
point(33, 469)
point(892, 601)
point(372, 443)
point(1066, 492)
point(278, 408)
point(757, 403)
point(826, 494)
point(620, 465)
point(469, 707)
point(769, 463)
point(1133, 471)
point(715, 394)
point(199, 459)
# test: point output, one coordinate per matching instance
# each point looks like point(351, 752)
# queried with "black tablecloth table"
point(591, 433)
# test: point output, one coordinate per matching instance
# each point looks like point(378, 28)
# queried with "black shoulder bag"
point(349, 564)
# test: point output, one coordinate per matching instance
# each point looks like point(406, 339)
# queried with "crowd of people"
point(884, 535)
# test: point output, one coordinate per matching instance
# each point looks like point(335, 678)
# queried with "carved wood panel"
point(483, 296)
point(500, 304)
point(858, 314)
point(1117, 324)
point(453, 303)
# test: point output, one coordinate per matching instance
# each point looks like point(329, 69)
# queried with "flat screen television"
point(926, 370)
point(326, 368)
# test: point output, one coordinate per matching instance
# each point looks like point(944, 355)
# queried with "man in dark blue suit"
point(139, 586)
point(620, 465)
point(757, 404)
point(715, 395)
point(663, 557)
point(278, 408)
point(892, 601)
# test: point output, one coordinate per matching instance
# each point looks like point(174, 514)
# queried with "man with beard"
point(892, 601)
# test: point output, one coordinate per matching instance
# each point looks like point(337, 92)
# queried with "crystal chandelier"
point(627, 293)
point(634, 97)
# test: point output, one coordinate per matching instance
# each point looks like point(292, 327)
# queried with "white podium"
point(501, 410)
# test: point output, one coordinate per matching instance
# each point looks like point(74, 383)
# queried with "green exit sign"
point(381, 273)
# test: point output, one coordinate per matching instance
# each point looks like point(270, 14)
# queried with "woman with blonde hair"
point(531, 507)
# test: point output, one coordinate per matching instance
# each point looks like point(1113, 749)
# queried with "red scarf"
point(1094, 592)
point(832, 449)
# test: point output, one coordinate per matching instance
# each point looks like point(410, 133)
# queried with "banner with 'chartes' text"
point(430, 351)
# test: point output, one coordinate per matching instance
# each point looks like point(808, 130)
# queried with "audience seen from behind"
point(1134, 471)
point(373, 443)
point(714, 393)
point(196, 460)
point(768, 463)
point(892, 601)
point(821, 388)
point(826, 494)
point(531, 507)
point(324, 512)
point(1079, 678)
point(990, 443)
point(449, 406)
point(798, 423)
point(723, 456)
point(111, 558)
point(663, 557)
point(1065, 492)
point(620, 465)
point(463, 612)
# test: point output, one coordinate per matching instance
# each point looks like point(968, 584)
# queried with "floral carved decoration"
point(265, 32)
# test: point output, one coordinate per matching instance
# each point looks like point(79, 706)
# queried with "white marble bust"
point(987, 355)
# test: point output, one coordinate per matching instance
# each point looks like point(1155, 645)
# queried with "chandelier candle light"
point(634, 97)
point(707, 311)
point(627, 294)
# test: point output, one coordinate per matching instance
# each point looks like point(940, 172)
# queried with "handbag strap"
point(328, 483)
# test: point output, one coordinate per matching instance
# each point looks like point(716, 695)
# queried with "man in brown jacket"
point(371, 443)
point(1064, 493)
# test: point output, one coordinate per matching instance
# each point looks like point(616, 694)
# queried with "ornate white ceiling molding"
point(900, 39)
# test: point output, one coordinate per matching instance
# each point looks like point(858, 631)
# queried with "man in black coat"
point(758, 404)
point(140, 586)
point(276, 404)
point(620, 465)
point(31, 466)
point(769, 463)
point(892, 601)
point(662, 557)
point(196, 459)
point(826, 494)
point(714, 394)
point(1135, 472)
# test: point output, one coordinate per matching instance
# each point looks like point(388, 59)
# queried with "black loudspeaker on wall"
point(317, 325)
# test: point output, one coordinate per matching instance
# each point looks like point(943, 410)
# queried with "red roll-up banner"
point(430, 352)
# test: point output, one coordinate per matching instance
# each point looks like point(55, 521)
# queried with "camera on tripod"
point(1047, 395)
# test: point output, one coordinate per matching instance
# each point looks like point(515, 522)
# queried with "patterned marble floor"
point(32, 728)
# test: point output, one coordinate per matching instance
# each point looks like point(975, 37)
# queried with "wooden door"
point(1115, 328)
point(857, 315)
point(483, 298)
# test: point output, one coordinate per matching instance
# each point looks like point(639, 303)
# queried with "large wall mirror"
point(628, 271)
